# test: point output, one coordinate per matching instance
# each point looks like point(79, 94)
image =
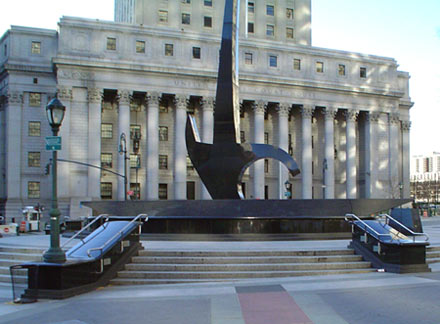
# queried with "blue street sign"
point(53, 143)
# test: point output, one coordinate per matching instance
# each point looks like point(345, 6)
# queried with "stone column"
point(207, 131)
point(306, 165)
point(180, 148)
point(258, 168)
point(371, 158)
point(351, 116)
point(393, 156)
point(405, 126)
point(94, 96)
point(63, 178)
point(124, 127)
point(283, 142)
point(152, 158)
point(329, 154)
point(13, 147)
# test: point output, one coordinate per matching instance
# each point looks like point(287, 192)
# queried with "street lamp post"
point(123, 150)
point(55, 115)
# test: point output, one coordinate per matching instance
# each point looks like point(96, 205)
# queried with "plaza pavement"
point(372, 298)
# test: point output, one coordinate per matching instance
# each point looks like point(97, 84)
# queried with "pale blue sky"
point(408, 31)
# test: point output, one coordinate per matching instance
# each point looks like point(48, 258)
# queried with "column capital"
point(283, 109)
point(394, 119)
point(406, 126)
point(373, 116)
point(181, 101)
point(208, 103)
point(153, 98)
point(330, 112)
point(351, 114)
point(64, 93)
point(94, 95)
point(124, 97)
point(259, 107)
point(307, 111)
point(14, 97)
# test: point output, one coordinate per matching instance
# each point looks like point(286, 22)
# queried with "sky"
point(408, 31)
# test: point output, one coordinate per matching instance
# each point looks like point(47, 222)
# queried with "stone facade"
point(343, 116)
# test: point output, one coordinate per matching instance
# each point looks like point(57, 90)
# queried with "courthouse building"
point(343, 116)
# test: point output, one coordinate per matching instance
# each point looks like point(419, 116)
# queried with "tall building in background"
point(425, 178)
point(343, 116)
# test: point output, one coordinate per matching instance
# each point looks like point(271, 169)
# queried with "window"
point(208, 3)
point(36, 47)
point(273, 61)
point(135, 130)
point(34, 159)
point(35, 80)
point(242, 137)
point(163, 162)
point(106, 190)
point(270, 30)
point(250, 27)
point(106, 130)
point(136, 188)
point(266, 138)
point(163, 16)
point(169, 50)
point(251, 7)
point(289, 33)
point(270, 10)
point(111, 44)
point(163, 133)
point(33, 189)
point(34, 99)
point(135, 161)
point(140, 47)
point(186, 1)
point(266, 166)
point(163, 191)
point(189, 165)
point(186, 19)
point(289, 13)
point(248, 58)
point(207, 21)
point(297, 64)
point(363, 72)
point(320, 67)
point(196, 53)
point(106, 160)
point(341, 69)
point(34, 128)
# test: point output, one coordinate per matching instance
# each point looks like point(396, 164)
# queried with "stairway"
point(432, 254)
point(12, 256)
point(166, 267)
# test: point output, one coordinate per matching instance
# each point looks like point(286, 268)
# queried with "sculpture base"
point(261, 219)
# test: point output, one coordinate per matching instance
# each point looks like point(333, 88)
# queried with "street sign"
point(53, 143)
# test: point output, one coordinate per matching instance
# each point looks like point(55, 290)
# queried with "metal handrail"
point(119, 233)
point(84, 228)
point(377, 235)
point(414, 234)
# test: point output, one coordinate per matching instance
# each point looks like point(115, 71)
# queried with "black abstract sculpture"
point(222, 164)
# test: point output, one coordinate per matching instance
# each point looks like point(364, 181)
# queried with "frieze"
point(76, 75)
point(189, 84)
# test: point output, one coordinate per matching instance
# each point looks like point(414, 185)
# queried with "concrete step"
point(433, 248)
point(158, 253)
point(243, 259)
point(144, 268)
point(27, 250)
point(433, 254)
point(18, 279)
point(230, 276)
point(21, 256)
point(432, 260)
